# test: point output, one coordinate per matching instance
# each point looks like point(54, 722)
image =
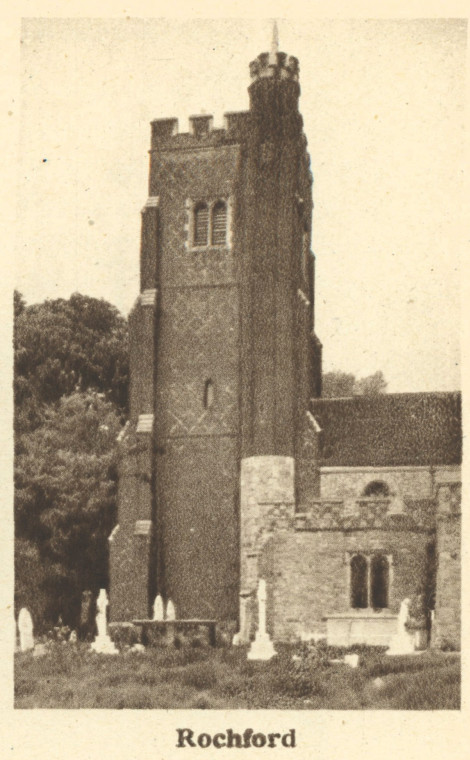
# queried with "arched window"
point(359, 582)
point(208, 398)
point(369, 581)
point(377, 489)
point(379, 580)
point(219, 224)
point(201, 224)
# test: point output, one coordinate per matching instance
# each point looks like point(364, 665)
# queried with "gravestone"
point(86, 628)
point(262, 647)
point(103, 643)
point(158, 611)
point(402, 642)
point(170, 611)
point(243, 634)
point(25, 627)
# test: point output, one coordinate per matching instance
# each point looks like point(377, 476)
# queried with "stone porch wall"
point(447, 621)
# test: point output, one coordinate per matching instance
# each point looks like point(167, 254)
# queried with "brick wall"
point(349, 483)
point(308, 574)
point(197, 342)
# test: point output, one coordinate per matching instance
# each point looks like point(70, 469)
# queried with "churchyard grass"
point(71, 676)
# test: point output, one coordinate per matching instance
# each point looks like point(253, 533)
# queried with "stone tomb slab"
point(166, 632)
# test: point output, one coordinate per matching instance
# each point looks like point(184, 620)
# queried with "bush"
point(123, 634)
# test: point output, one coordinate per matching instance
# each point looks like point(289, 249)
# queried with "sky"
point(383, 103)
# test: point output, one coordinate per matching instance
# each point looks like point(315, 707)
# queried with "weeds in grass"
point(200, 675)
point(202, 678)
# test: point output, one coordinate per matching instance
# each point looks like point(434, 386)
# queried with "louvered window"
point(201, 224)
point(219, 223)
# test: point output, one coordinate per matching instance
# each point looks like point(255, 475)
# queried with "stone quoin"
point(233, 468)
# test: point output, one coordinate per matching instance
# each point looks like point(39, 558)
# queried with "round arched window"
point(377, 488)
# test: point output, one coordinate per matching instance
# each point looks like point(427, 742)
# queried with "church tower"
point(223, 355)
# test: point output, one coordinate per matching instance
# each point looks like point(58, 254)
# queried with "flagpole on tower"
point(274, 44)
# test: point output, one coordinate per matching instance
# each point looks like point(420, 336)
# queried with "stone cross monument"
point(262, 647)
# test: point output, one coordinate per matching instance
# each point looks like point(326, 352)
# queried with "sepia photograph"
point(237, 367)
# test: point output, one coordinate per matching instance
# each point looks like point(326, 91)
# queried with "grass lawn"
point(71, 676)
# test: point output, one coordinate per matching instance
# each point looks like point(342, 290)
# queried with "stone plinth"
point(261, 648)
point(364, 627)
point(104, 645)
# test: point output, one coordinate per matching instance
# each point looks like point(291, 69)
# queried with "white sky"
point(383, 108)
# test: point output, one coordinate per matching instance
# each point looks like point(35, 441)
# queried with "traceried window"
point(379, 581)
point(219, 223)
point(359, 590)
point(369, 581)
point(201, 224)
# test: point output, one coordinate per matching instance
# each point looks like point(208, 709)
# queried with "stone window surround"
point(190, 205)
point(368, 555)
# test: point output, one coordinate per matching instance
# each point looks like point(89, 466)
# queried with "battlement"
point(201, 133)
point(275, 65)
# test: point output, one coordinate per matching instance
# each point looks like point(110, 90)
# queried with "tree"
point(63, 346)
point(65, 503)
point(337, 384)
point(372, 385)
point(343, 384)
point(70, 386)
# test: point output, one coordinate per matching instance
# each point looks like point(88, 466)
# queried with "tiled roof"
point(390, 429)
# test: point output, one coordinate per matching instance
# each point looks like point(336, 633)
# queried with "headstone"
point(25, 627)
point(262, 647)
point(158, 612)
point(242, 634)
point(402, 642)
point(103, 643)
point(170, 611)
point(352, 660)
point(86, 627)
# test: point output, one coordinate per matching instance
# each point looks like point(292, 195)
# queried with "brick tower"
point(222, 351)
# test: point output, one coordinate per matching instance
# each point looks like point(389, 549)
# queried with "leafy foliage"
point(344, 384)
point(63, 346)
point(71, 373)
point(65, 500)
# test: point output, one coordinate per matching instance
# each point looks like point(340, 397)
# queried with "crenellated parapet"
point(275, 65)
point(201, 132)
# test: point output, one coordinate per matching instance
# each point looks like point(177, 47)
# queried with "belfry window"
point(219, 223)
point(208, 223)
point(201, 224)
point(369, 581)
